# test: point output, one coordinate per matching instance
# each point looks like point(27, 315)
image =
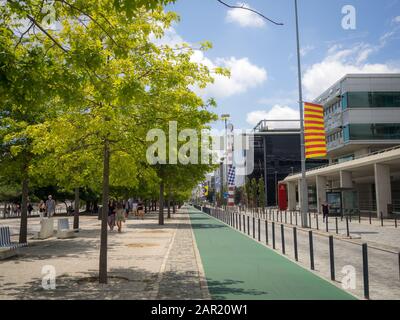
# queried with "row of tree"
point(251, 194)
point(81, 85)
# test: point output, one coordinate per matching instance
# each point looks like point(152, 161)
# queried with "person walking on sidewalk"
point(120, 216)
point(50, 206)
point(140, 209)
point(325, 211)
point(111, 215)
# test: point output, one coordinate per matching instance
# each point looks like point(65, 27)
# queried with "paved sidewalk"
point(146, 261)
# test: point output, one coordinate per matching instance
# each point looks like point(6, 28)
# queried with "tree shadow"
point(219, 290)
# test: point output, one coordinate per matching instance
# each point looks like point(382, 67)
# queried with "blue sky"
point(262, 56)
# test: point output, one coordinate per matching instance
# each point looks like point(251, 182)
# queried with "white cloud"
point(396, 19)
point(277, 112)
point(244, 18)
point(306, 50)
point(244, 74)
point(339, 62)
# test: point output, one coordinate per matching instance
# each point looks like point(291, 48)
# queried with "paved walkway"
point(146, 261)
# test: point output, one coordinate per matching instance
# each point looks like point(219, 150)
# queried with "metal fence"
point(327, 253)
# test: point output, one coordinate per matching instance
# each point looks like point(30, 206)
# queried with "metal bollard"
point(259, 230)
point(285, 216)
point(317, 221)
point(347, 227)
point(281, 216)
point(244, 224)
point(283, 238)
point(365, 270)
point(273, 235)
point(254, 228)
point(327, 224)
point(370, 218)
point(310, 237)
point(399, 265)
point(336, 225)
point(332, 258)
point(359, 217)
point(296, 219)
point(248, 225)
point(381, 219)
point(296, 254)
point(291, 217)
point(266, 232)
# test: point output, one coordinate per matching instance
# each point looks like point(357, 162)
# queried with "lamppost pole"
point(303, 186)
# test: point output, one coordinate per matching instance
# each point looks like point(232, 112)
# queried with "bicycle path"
point(238, 268)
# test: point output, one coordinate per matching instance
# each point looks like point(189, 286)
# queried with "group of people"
point(118, 212)
point(48, 208)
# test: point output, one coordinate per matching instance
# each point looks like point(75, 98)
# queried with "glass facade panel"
point(372, 100)
point(374, 131)
point(283, 158)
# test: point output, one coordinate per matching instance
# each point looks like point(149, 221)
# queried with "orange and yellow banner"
point(314, 131)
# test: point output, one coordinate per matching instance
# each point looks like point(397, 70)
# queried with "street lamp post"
point(303, 187)
point(303, 183)
point(226, 117)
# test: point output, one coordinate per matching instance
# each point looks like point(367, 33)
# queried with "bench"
point(46, 229)
point(63, 230)
point(8, 248)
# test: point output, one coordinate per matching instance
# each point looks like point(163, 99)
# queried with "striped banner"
point(314, 131)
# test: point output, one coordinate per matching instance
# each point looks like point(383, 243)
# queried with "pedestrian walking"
point(325, 211)
point(42, 208)
point(30, 208)
point(140, 209)
point(111, 215)
point(120, 216)
point(50, 206)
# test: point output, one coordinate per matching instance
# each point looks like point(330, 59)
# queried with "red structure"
point(282, 197)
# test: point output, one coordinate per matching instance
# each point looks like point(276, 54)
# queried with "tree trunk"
point(161, 205)
point(23, 232)
point(169, 204)
point(104, 214)
point(76, 211)
point(173, 206)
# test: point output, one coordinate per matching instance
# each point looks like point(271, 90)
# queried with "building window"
point(373, 99)
point(374, 131)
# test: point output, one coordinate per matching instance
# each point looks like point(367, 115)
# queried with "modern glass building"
point(277, 155)
point(362, 115)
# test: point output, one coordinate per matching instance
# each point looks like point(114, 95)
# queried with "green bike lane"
point(239, 268)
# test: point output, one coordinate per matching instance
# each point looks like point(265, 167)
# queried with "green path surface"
point(237, 267)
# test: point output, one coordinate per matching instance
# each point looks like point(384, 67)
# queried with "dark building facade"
point(282, 152)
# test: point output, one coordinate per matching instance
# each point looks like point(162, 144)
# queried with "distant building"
point(277, 154)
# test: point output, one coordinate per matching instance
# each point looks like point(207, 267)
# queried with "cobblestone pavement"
point(145, 261)
point(180, 279)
